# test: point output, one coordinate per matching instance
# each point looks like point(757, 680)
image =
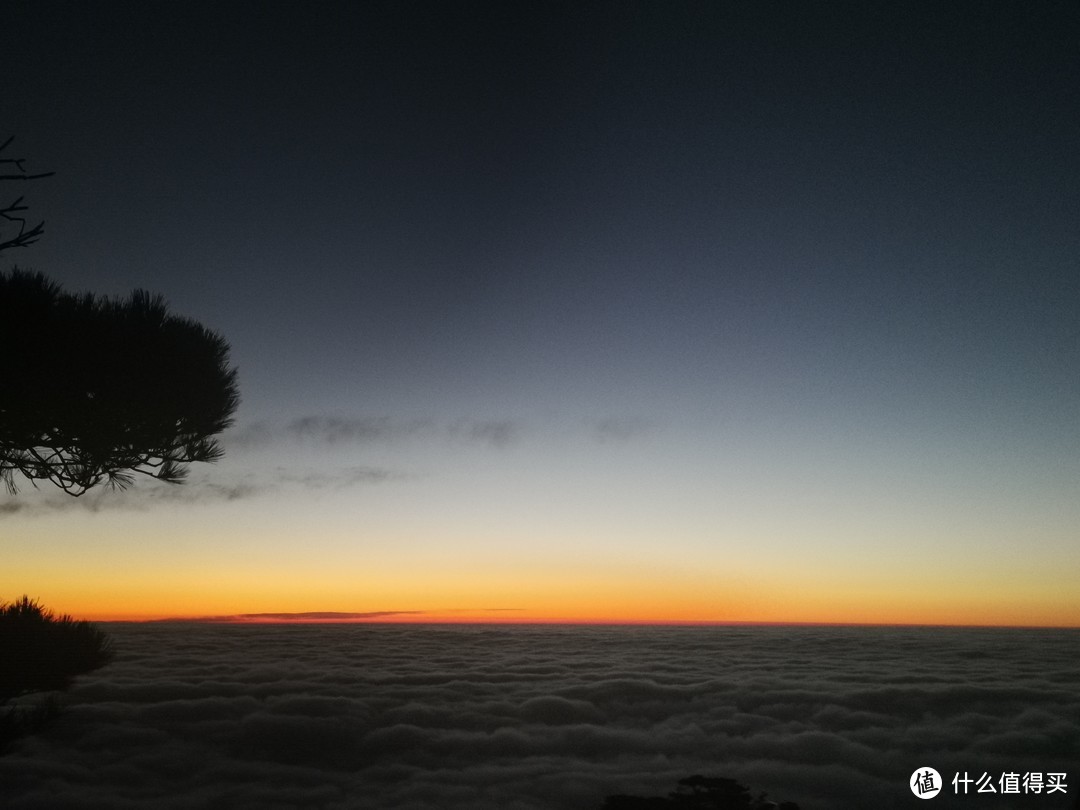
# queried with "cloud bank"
point(550, 718)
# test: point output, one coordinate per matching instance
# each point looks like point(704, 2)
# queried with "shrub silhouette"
point(699, 793)
point(41, 652)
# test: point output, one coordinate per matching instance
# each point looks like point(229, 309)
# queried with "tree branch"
point(25, 236)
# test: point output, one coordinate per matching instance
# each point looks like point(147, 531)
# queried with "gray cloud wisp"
point(336, 431)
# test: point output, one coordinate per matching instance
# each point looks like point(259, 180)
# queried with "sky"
point(617, 312)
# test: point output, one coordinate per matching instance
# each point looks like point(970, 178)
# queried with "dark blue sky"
point(834, 238)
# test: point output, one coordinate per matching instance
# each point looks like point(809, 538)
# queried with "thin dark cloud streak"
point(494, 432)
point(337, 431)
point(613, 429)
point(331, 616)
point(334, 431)
point(362, 429)
point(308, 616)
point(340, 478)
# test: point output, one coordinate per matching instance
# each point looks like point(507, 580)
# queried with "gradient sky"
point(577, 311)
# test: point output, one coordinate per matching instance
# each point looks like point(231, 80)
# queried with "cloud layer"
point(532, 718)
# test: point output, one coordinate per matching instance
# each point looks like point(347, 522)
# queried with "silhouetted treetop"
point(96, 389)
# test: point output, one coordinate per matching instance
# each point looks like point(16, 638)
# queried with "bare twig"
point(26, 235)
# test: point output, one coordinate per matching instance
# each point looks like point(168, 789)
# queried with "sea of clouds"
point(334, 716)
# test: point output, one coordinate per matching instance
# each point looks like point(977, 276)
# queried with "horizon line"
point(385, 618)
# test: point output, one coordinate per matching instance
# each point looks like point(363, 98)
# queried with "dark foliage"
point(623, 802)
point(44, 652)
point(41, 652)
point(699, 793)
point(96, 389)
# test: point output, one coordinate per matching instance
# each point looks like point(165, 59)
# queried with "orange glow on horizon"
point(545, 590)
